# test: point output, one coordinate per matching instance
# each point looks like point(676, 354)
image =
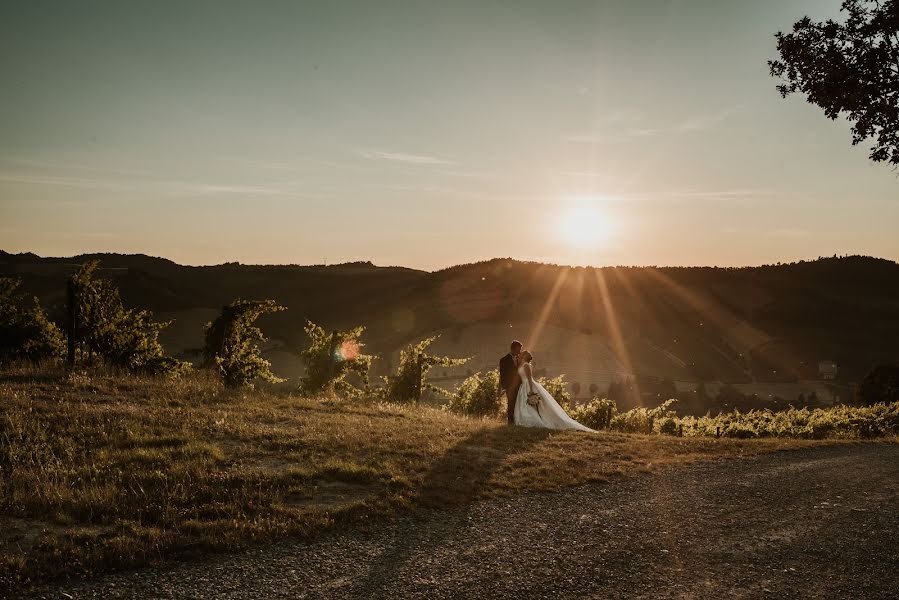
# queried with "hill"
point(749, 326)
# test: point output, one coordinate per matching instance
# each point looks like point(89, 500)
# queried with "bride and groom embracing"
point(528, 402)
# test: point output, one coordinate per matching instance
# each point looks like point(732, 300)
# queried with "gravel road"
point(814, 523)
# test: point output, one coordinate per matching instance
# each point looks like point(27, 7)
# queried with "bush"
point(477, 396)
point(881, 384)
point(667, 425)
point(25, 331)
point(558, 389)
point(836, 422)
point(597, 414)
point(330, 358)
point(409, 380)
point(232, 343)
point(119, 337)
point(643, 420)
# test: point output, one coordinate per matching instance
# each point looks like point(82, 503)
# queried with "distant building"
point(827, 369)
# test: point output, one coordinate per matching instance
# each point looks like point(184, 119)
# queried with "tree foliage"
point(108, 332)
point(476, 396)
point(330, 357)
point(232, 343)
point(410, 378)
point(881, 384)
point(596, 414)
point(849, 68)
point(558, 389)
point(25, 331)
point(646, 420)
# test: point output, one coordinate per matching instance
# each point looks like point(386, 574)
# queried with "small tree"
point(849, 68)
point(410, 379)
point(476, 395)
point(232, 343)
point(881, 384)
point(107, 331)
point(25, 331)
point(576, 388)
point(594, 389)
point(330, 358)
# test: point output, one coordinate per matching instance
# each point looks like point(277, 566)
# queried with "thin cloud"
point(692, 124)
point(76, 182)
point(189, 188)
point(402, 157)
point(585, 173)
point(708, 121)
point(214, 188)
point(27, 162)
point(732, 193)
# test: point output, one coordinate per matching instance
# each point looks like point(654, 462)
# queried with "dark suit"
point(509, 381)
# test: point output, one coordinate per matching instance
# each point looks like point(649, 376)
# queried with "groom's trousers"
point(511, 396)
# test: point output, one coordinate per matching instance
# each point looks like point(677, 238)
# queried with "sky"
point(425, 134)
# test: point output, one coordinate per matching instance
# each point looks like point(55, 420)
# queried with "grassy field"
point(105, 472)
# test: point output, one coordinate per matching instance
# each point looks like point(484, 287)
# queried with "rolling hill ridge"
point(771, 323)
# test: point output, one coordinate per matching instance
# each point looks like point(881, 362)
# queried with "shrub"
point(881, 384)
point(836, 422)
point(477, 395)
point(330, 358)
point(25, 331)
point(558, 389)
point(596, 414)
point(740, 430)
point(232, 343)
point(119, 337)
point(642, 420)
point(667, 425)
point(409, 380)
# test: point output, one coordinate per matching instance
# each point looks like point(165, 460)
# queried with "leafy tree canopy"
point(411, 375)
point(330, 357)
point(120, 337)
point(849, 68)
point(232, 343)
point(25, 331)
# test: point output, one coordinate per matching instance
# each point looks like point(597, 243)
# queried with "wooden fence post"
point(332, 360)
point(71, 322)
point(418, 383)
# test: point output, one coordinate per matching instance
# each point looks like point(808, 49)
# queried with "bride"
point(541, 410)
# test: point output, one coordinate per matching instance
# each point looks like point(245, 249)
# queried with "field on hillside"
point(772, 323)
point(101, 472)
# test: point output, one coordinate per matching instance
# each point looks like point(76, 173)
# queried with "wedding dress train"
point(547, 414)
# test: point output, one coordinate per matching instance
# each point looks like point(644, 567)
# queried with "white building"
point(827, 369)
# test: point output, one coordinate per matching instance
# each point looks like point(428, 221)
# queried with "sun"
point(585, 224)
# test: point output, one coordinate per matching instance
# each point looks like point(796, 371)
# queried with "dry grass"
point(106, 472)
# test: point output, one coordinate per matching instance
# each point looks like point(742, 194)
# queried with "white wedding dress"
point(547, 414)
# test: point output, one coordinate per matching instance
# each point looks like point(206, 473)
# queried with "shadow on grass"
point(32, 377)
point(457, 479)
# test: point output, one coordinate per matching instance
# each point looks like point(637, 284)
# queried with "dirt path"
point(816, 523)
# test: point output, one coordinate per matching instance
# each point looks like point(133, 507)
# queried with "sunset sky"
point(425, 134)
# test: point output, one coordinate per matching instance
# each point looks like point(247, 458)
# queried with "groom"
point(510, 380)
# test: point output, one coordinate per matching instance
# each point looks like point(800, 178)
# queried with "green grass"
point(102, 472)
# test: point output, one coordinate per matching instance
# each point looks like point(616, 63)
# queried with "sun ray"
point(534, 337)
point(709, 309)
point(618, 344)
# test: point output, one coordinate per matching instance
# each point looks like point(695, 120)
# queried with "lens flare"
point(348, 350)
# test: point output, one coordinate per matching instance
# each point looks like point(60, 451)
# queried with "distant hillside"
point(765, 324)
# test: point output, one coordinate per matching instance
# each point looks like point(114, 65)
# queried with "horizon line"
point(446, 268)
